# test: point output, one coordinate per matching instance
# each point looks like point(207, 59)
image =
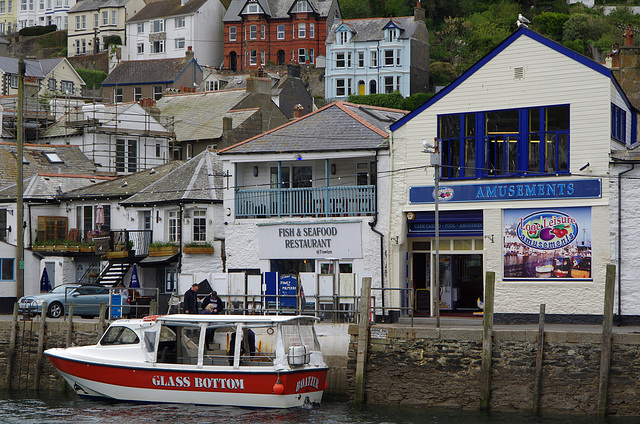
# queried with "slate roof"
point(199, 180)
point(146, 71)
point(125, 186)
point(337, 126)
point(47, 65)
point(166, 8)
point(372, 29)
point(275, 8)
point(198, 116)
point(74, 162)
point(86, 5)
point(46, 186)
point(33, 68)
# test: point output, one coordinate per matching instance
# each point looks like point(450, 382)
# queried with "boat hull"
point(153, 383)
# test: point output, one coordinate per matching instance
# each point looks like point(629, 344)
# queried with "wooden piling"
point(153, 307)
point(102, 321)
point(12, 346)
point(487, 330)
point(607, 338)
point(69, 325)
point(363, 340)
point(537, 384)
point(41, 335)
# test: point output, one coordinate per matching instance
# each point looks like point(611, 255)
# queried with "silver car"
point(86, 301)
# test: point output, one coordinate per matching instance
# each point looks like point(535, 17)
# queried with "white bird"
point(523, 19)
point(521, 24)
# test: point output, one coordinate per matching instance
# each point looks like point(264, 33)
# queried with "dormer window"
point(252, 7)
point(392, 34)
point(343, 37)
point(301, 7)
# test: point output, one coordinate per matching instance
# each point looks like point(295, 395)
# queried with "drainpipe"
point(180, 217)
point(633, 165)
point(372, 225)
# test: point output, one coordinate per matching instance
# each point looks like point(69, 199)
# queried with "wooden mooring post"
point(487, 341)
point(537, 384)
point(607, 339)
point(41, 336)
point(102, 321)
point(69, 326)
point(363, 340)
point(12, 346)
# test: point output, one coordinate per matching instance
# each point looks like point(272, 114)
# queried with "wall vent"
point(518, 72)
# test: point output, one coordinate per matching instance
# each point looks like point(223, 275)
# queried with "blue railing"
point(317, 202)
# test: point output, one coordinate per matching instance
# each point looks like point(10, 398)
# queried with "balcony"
point(306, 202)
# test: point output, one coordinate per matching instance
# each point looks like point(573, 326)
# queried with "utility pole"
point(434, 156)
point(95, 48)
point(19, 183)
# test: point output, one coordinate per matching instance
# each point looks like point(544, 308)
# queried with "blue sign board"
point(487, 192)
point(288, 287)
point(116, 306)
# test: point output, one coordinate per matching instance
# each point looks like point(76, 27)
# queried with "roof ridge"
point(96, 177)
point(342, 106)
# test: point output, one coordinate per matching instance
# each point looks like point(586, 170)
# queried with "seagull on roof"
point(521, 24)
point(523, 19)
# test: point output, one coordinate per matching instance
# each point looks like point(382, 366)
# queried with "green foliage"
point(113, 39)
point(550, 24)
point(575, 45)
point(37, 30)
point(393, 100)
point(442, 73)
point(53, 39)
point(92, 78)
point(391, 8)
point(162, 244)
point(355, 9)
point(416, 100)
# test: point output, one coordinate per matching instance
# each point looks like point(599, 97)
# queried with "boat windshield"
point(178, 343)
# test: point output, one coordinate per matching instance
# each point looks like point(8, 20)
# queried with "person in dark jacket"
point(191, 303)
point(218, 304)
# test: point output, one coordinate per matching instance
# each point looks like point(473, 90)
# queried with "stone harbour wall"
point(441, 368)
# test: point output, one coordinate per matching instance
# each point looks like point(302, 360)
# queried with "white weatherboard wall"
point(550, 78)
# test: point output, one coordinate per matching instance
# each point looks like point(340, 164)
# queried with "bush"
point(92, 78)
point(113, 39)
point(37, 30)
point(416, 100)
point(442, 73)
point(57, 39)
point(393, 100)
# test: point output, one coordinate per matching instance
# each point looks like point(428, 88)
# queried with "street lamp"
point(434, 153)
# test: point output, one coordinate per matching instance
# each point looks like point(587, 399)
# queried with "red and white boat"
point(201, 359)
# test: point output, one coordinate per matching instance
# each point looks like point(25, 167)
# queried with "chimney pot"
point(298, 111)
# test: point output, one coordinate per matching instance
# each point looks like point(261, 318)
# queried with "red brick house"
point(257, 32)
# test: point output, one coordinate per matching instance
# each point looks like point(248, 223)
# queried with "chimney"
point(298, 111)
point(189, 53)
point(150, 106)
point(259, 85)
point(227, 123)
point(293, 70)
point(419, 13)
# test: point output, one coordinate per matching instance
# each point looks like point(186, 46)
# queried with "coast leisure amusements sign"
point(310, 240)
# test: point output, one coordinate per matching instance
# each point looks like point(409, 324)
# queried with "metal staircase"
point(113, 273)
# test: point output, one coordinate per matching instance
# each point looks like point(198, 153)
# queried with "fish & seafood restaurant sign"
point(310, 240)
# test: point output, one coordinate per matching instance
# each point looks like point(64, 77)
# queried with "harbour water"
point(49, 407)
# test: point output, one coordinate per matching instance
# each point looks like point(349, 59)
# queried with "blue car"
point(86, 300)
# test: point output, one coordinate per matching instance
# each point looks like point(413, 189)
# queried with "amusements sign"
point(310, 240)
point(547, 243)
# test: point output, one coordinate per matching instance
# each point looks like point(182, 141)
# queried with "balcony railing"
point(316, 202)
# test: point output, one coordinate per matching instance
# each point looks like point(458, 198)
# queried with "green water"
point(49, 407)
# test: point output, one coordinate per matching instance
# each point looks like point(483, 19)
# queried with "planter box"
point(207, 250)
point(87, 249)
point(120, 254)
point(163, 251)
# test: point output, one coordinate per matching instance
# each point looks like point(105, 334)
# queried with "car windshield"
point(61, 289)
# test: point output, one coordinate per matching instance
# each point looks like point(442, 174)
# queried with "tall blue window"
point(511, 142)
point(618, 124)
point(6, 270)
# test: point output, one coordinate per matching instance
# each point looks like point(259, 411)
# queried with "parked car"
point(86, 300)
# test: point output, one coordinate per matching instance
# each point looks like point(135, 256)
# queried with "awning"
point(156, 260)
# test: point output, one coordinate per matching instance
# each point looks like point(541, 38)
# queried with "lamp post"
point(434, 153)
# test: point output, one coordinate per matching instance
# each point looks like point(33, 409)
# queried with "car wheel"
point(55, 310)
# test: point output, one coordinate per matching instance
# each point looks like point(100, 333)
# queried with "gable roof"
point(73, 161)
point(165, 8)
point(45, 186)
point(275, 8)
point(49, 65)
point(520, 32)
point(148, 71)
point(9, 65)
point(86, 5)
point(116, 188)
point(198, 116)
point(337, 126)
point(373, 29)
point(199, 180)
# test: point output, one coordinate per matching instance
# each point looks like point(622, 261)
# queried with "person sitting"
point(218, 304)
point(208, 310)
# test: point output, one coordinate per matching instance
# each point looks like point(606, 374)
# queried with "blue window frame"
point(618, 124)
point(509, 142)
point(6, 270)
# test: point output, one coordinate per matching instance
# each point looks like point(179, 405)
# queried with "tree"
point(550, 24)
point(355, 9)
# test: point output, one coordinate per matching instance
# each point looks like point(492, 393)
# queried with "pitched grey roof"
point(48, 64)
point(10, 66)
point(124, 187)
point(275, 8)
point(199, 180)
point(198, 116)
point(165, 8)
point(44, 187)
point(338, 126)
point(371, 29)
point(74, 162)
point(146, 71)
point(86, 5)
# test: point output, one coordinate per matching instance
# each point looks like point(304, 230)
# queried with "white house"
point(524, 138)
point(166, 29)
point(379, 55)
point(44, 12)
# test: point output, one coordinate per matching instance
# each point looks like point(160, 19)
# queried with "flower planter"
point(206, 250)
point(86, 249)
point(119, 254)
point(163, 251)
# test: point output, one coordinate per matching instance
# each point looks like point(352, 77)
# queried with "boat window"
point(150, 340)
point(118, 336)
point(178, 344)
